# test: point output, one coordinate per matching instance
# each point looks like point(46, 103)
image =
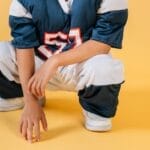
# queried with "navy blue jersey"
point(53, 26)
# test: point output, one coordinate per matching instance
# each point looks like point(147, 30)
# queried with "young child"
point(63, 45)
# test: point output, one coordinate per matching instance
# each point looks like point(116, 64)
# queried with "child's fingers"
point(20, 126)
point(30, 131)
point(30, 84)
point(37, 130)
point(44, 122)
point(43, 87)
point(38, 87)
point(24, 129)
point(33, 87)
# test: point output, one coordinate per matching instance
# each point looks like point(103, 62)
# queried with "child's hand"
point(30, 120)
point(39, 80)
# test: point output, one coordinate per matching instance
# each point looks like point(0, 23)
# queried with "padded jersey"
point(53, 26)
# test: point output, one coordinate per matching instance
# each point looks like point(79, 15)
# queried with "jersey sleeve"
point(111, 19)
point(22, 27)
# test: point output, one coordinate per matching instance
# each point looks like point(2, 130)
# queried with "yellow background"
point(131, 129)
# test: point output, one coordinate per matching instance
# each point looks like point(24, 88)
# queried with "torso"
point(62, 25)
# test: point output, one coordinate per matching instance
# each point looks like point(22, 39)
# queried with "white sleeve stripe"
point(112, 5)
point(18, 10)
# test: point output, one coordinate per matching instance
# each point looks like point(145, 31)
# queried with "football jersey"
point(54, 26)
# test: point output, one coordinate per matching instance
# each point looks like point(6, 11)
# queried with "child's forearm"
point(26, 67)
point(38, 81)
point(32, 113)
point(81, 53)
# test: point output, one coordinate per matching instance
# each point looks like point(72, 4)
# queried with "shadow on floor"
point(133, 113)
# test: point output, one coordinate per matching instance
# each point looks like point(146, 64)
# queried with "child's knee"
point(101, 70)
point(106, 70)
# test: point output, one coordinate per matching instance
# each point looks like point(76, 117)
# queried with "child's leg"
point(10, 89)
point(99, 81)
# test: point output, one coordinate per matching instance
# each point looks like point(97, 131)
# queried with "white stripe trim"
point(18, 10)
point(44, 51)
point(112, 5)
point(64, 6)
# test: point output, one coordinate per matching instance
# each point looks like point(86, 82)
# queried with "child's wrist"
point(55, 60)
point(28, 97)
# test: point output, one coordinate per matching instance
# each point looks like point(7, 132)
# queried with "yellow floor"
point(131, 129)
point(131, 126)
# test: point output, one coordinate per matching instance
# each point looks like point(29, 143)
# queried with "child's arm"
point(84, 51)
point(108, 32)
point(32, 112)
point(26, 67)
point(25, 38)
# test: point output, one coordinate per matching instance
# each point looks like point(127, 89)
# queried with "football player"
point(63, 45)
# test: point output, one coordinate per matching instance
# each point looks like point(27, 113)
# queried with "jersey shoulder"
point(31, 5)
